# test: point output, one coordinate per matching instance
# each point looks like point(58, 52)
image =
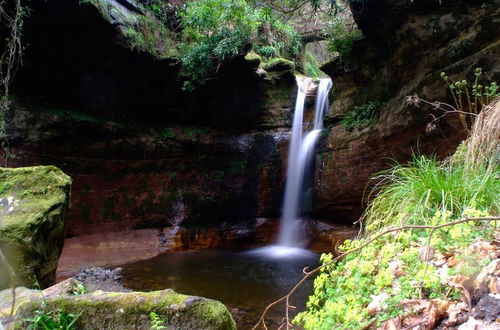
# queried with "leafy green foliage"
point(217, 30)
point(157, 323)
point(343, 37)
point(159, 8)
point(275, 38)
point(79, 289)
point(52, 321)
point(363, 115)
point(194, 133)
point(213, 31)
point(343, 290)
point(311, 66)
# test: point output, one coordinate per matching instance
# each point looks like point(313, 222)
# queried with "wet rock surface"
point(101, 278)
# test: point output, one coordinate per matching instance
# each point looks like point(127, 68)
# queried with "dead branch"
point(341, 256)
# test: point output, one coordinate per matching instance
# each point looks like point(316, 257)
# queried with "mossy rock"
point(278, 64)
point(34, 204)
point(131, 310)
point(253, 59)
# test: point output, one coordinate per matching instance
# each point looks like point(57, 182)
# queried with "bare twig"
point(307, 275)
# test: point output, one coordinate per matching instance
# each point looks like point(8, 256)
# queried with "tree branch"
point(341, 256)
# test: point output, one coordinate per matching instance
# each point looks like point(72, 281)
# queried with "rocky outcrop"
point(112, 310)
point(33, 212)
point(407, 45)
point(115, 310)
point(145, 154)
point(142, 152)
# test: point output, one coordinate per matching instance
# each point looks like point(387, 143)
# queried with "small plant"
point(363, 115)
point(52, 320)
point(194, 133)
point(79, 289)
point(470, 99)
point(167, 134)
point(157, 322)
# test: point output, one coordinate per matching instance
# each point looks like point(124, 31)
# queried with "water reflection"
point(246, 281)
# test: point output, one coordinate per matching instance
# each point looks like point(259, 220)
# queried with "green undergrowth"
point(343, 290)
point(423, 192)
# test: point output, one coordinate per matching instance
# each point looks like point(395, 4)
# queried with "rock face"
point(113, 310)
point(144, 154)
point(407, 45)
point(33, 211)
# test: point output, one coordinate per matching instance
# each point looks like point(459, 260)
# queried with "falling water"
point(300, 155)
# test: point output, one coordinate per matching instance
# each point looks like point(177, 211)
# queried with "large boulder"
point(132, 310)
point(34, 203)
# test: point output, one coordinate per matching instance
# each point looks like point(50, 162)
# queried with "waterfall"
point(299, 156)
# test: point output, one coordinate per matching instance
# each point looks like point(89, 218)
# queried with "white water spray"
point(300, 155)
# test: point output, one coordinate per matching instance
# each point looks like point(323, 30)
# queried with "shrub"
point(213, 30)
point(411, 194)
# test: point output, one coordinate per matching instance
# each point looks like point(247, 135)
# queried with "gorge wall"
point(144, 154)
point(407, 45)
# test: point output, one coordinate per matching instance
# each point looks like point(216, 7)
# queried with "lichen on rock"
point(33, 206)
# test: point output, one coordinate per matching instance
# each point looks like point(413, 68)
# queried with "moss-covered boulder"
point(33, 206)
point(278, 64)
point(131, 310)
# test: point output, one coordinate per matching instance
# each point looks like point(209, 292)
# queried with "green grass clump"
point(412, 193)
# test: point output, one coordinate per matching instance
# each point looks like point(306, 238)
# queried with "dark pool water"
point(245, 281)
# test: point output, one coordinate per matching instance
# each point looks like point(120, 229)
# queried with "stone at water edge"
point(117, 310)
point(34, 203)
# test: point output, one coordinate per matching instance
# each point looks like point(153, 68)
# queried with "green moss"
point(253, 59)
point(113, 310)
point(278, 64)
point(32, 232)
